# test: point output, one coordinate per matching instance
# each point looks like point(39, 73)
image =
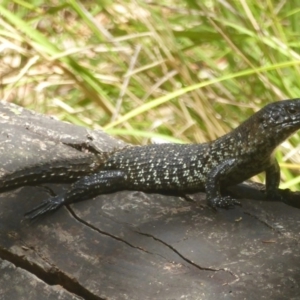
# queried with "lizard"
point(185, 168)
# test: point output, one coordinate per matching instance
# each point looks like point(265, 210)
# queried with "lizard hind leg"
point(85, 188)
point(45, 206)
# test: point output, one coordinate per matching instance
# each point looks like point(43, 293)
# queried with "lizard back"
point(163, 166)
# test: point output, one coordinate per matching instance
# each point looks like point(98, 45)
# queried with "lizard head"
point(281, 117)
point(268, 128)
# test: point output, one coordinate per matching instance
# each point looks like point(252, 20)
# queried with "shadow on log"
point(132, 245)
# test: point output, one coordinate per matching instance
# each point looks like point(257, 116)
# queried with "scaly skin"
point(229, 160)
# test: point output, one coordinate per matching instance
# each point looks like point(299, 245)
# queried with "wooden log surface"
point(132, 245)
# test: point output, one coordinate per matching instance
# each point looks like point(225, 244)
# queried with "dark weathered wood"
point(17, 283)
point(132, 245)
point(28, 139)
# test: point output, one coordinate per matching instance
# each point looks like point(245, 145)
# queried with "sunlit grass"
point(185, 71)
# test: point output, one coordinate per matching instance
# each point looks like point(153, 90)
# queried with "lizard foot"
point(46, 206)
point(223, 202)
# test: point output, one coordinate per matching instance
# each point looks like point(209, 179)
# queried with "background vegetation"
point(152, 71)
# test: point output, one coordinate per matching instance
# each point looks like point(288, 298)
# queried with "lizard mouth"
point(291, 123)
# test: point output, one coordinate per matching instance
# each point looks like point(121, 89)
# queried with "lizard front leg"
point(85, 188)
point(212, 186)
point(272, 181)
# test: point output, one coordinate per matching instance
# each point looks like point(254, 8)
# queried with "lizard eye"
point(291, 110)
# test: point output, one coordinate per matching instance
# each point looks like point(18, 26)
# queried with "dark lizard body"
point(231, 159)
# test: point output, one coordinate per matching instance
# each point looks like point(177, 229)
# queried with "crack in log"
point(263, 222)
point(188, 198)
point(52, 276)
point(133, 230)
point(185, 258)
point(104, 232)
point(84, 146)
point(113, 236)
point(81, 146)
point(144, 250)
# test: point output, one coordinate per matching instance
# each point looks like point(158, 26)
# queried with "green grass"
point(177, 71)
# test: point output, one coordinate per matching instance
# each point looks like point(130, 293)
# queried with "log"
point(129, 244)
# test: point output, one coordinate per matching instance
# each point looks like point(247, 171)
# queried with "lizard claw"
point(46, 206)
